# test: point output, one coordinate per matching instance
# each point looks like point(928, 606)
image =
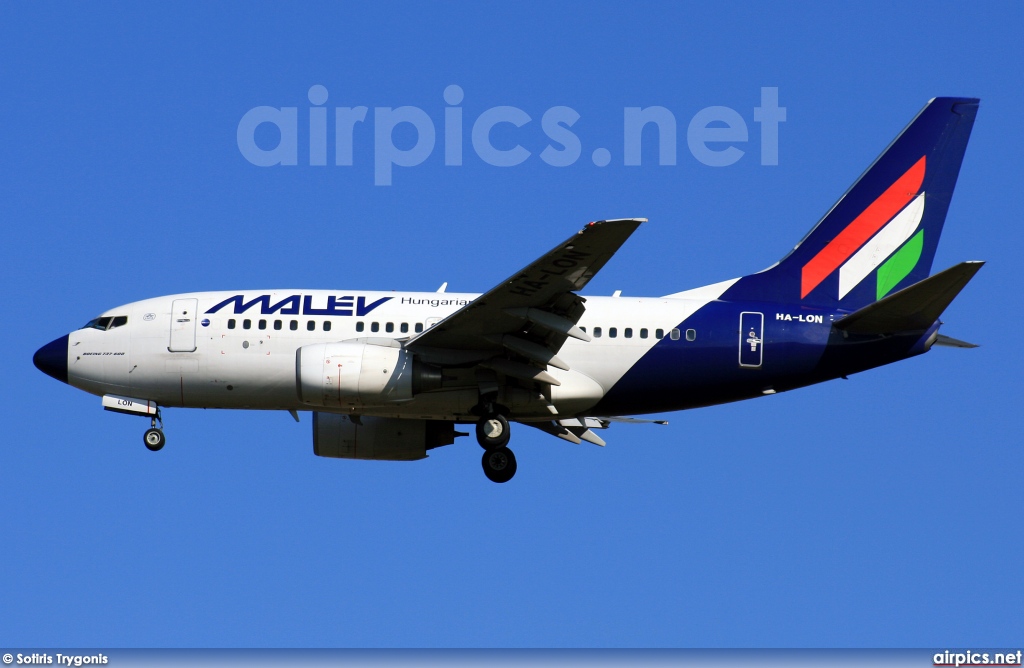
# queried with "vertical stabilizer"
point(882, 234)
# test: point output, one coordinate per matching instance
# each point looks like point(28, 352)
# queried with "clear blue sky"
point(885, 510)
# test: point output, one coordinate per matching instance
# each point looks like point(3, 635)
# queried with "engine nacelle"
point(352, 373)
point(392, 439)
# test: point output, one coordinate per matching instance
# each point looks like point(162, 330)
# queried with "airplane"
point(391, 375)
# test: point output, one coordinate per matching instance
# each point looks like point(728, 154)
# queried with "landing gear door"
point(183, 326)
point(751, 339)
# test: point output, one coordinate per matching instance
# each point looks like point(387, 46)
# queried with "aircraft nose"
point(52, 359)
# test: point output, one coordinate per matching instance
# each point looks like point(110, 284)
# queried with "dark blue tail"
point(882, 234)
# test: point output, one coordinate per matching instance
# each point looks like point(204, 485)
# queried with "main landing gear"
point(499, 464)
point(493, 433)
point(154, 436)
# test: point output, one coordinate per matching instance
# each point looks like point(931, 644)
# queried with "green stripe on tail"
point(897, 267)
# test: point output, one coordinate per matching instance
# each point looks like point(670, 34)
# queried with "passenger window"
point(643, 332)
point(247, 324)
point(277, 324)
point(119, 321)
point(597, 332)
point(327, 325)
point(293, 325)
point(691, 335)
point(628, 333)
point(419, 327)
point(675, 334)
point(405, 328)
point(310, 325)
point(231, 323)
point(390, 327)
point(262, 324)
point(583, 329)
point(659, 333)
point(360, 326)
point(374, 326)
point(612, 332)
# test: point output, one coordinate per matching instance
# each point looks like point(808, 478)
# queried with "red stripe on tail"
point(863, 227)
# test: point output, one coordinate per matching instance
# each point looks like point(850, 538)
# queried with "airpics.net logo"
point(270, 136)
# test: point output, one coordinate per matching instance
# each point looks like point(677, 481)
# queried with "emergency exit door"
point(183, 326)
point(751, 339)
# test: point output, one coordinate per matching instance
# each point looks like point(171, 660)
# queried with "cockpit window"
point(107, 322)
point(98, 323)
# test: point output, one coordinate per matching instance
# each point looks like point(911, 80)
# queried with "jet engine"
point(393, 439)
point(350, 374)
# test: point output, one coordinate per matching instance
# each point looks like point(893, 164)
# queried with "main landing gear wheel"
point(154, 439)
point(499, 464)
point(492, 431)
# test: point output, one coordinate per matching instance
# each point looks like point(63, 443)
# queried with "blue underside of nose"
point(52, 359)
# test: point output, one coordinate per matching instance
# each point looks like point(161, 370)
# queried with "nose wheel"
point(154, 436)
point(154, 439)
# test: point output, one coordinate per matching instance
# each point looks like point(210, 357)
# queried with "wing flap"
point(579, 429)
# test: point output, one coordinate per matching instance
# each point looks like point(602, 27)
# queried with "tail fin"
point(882, 233)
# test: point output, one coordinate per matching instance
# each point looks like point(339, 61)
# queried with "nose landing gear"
point(154, 436)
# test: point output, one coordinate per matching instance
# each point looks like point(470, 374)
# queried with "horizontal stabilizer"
point(950, 342)
point(915, 308)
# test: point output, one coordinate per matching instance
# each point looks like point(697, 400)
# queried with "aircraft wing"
point(579, 429)
point(533, 311)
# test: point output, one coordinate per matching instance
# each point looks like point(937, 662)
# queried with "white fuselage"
point(174, 351)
